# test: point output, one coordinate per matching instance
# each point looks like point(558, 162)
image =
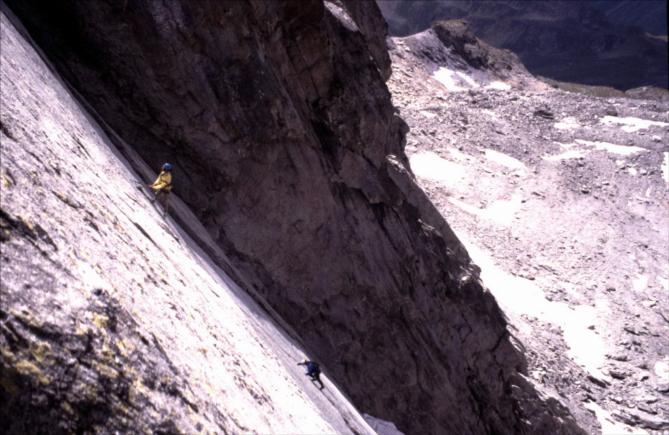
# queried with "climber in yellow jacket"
point(163, 186)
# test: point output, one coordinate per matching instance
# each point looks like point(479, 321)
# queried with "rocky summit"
point(308, 221)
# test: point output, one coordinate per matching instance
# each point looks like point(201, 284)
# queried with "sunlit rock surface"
point(561, 199)
point(110, 319)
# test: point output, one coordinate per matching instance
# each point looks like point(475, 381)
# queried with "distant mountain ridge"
point(594, 43)
point(651, 18)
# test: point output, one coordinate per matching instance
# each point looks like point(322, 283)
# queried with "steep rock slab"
point(287, 147)
point(109, 320)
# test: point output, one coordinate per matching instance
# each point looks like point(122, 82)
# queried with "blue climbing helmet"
point(167, 167)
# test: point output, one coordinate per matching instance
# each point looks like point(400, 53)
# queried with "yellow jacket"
point(163, 183)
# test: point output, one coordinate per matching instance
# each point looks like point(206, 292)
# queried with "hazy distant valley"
point(621, 44)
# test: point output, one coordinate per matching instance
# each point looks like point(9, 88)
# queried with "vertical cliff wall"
point(287, 147)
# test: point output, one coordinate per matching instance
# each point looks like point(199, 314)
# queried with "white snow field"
point(428, 114)
point(431, 166)
point(631, 124)
point(661, 368)
point(498, 85)
point(580, 148)
point(571, 154)
point(455, 80)
point(520, 296)
point(228, 348)
point(568, 123)
point(623, 150)
point(517, 296)
point(504, 160)
point(501, 212)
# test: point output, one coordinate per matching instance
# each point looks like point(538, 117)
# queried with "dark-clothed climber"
point(313, 371)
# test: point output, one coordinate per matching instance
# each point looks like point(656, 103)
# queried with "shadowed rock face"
point(456, 35)
point(287, 147)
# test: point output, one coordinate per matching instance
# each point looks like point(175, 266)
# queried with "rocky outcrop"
point(451, 51)
point(288, 149)
point(456, 35)
point(368, 18)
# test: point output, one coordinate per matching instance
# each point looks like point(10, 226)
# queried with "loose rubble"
point(561, 199)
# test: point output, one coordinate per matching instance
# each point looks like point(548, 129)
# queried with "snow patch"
point(609, 425)
point(571, 154)
point(631, 124)
point(504, 160)
point(521, 296)
point(457, 154)
point(427, 114)
point(568, 123)
point(455, 81)
point(499, 85)
point(622, 150)
point(665, 167)
point(501, 212)
point(382, 427)
point(661, 369)
point(466, 207)
point(429, 165)
point(466, 78)
point(451, 80)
